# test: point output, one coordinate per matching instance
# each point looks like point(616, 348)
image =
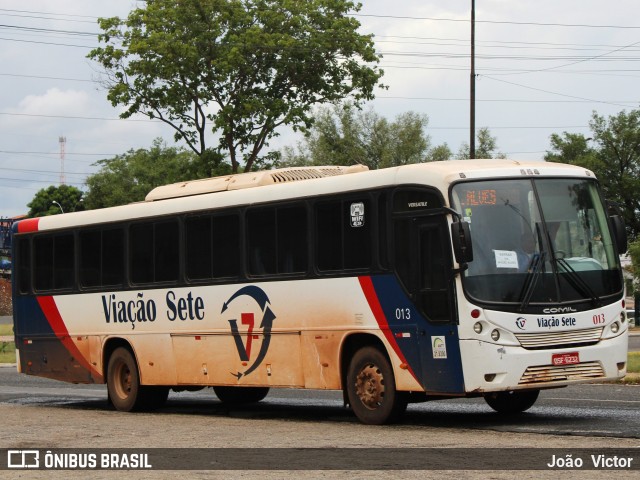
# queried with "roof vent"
point(248, 180)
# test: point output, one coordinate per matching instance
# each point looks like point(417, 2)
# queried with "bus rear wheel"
point(371, 388)
point(512, 401)
point(123, 384)
point(238, 395)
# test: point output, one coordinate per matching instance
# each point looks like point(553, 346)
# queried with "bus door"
point(424, 264)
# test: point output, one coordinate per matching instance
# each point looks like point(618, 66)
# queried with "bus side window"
point(90, 258)
point(167, 251)
point(54, 262)
point(112, 254)
point(225, 244)
point(198, 250)
point(343, 231)
point(277, 240)
point(43, 263)
point(141, 252)
point(329, 236)
point(261, 236)
point(101, 257)
point(24, 273)
point(213, 246)
point(154, 251)
point(292, 240)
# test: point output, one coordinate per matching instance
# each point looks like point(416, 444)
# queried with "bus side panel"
point(273, 359)
point(155, 361)
point(321, 359)
point(45, 346)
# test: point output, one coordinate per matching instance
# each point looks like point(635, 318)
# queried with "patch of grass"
point(633, 362)
point(6, 329)
point(7, 352)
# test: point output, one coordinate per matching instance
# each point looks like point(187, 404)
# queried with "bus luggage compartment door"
point(224, 359)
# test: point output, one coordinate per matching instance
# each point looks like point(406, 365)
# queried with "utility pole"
point(63, 142)
point(472, 96)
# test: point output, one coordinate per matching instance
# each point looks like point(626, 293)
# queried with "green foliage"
point(68, 198)
point(634, 252)
point(7, 352)
point(572, 148)
point(344, 135)
point(633, 362)
point(440, 153)
point(128, 178)
point(486, 146)
point(241, 68)
point(614, 158)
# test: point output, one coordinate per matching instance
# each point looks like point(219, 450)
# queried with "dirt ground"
point(5, 297)
point(38, 426)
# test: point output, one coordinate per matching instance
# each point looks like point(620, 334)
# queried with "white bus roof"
point(285, 184)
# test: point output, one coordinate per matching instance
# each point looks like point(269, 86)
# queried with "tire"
point(371, 388)
point(240, 395)
point(512, 401)
point(123, 384)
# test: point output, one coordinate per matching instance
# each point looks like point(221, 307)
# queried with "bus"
point(475, 278)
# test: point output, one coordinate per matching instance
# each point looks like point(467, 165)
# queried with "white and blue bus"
point(491, 278)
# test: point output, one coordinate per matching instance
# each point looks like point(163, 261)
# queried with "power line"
point(553, 93)
point(497, 22)
point(70, 117)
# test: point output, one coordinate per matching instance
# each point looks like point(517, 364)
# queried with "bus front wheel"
point(123, 384)
point(371, 388)
point(514, 401)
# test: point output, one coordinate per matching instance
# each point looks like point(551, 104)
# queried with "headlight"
point(477, 327)
point(615, 326)
point(495, 335)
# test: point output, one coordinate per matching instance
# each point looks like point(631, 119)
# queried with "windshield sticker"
point(439, 347)
point(506, 259)
point(357, 214)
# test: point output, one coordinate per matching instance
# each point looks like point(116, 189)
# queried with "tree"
point(485, 147)
point(571, 148)
point(440, 153)
point(55, 200)
point(244, 67)
point(128, 178)
point(344, 135)
point(614, 158)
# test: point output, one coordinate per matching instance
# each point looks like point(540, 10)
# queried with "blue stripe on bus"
point(415, 335)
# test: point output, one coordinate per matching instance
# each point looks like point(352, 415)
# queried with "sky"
point(542, 67)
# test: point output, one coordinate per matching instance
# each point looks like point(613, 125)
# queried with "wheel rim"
point(123, 380)
point(370, 386)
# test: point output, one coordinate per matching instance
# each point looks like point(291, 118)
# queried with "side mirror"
point(619, 232)
point(461, 237)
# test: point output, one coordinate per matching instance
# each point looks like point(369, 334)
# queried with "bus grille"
point(561, 373)
point(533, 341)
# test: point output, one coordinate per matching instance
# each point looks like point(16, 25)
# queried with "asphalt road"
point(607, 410)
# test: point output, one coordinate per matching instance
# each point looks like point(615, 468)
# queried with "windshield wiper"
point(534, 269)
point(578, 283)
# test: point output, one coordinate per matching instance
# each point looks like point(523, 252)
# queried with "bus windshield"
point(537, 241)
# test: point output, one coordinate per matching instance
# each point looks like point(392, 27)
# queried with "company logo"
point(23, 459)
point(559, 310)
point(248, 319)
point(520, 323)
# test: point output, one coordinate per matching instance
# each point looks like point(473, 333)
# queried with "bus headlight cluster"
point(615, 326)
point(495, 335)
point(477, 327)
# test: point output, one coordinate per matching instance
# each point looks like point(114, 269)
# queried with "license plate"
point(565, 358)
